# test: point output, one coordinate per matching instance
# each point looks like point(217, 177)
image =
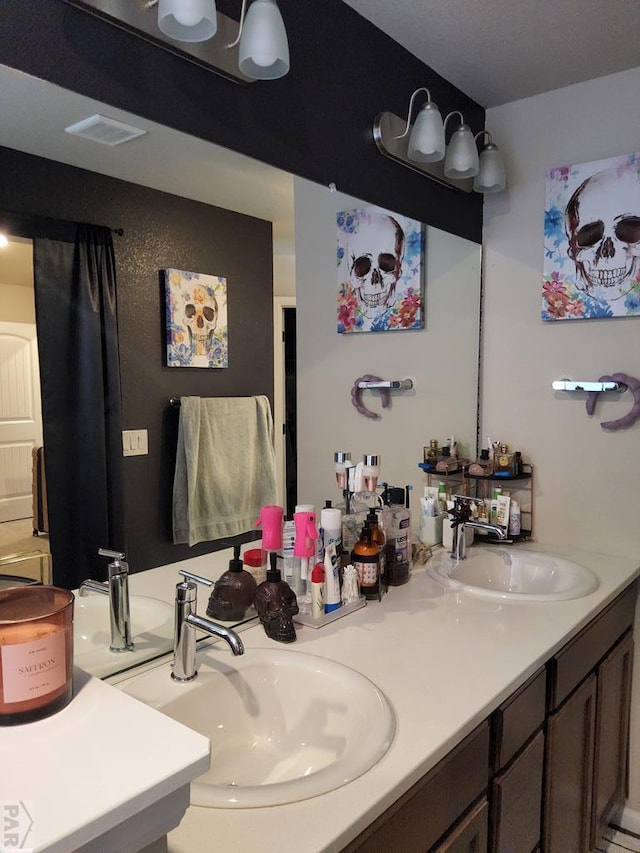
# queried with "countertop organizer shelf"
point(519, 486)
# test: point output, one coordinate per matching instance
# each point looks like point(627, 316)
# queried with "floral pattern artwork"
point(196, 318)
point(592, 240)
point(380, 260)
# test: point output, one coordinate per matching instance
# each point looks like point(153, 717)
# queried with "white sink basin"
point(284, 725)
point(510, 573)
point(151, 633)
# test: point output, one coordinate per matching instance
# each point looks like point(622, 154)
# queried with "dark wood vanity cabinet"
point(544, 773)
point(587, 730)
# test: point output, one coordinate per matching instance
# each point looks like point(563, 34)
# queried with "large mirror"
point(441, 359)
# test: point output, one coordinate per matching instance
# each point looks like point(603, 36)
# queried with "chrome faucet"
point(461, 518)
point(117, 588)
point(186, 623)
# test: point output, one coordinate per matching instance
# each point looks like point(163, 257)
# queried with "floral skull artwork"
point(602, 221)
point(375, 262)
point(200, 318)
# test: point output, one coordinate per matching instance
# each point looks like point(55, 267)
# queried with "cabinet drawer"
point(470, 836)
point(570, 666)
point(516, 720)
point(423, 815)
point(517, 801)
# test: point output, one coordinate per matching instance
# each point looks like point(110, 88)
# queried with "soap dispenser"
point(276, 605)
point(233, 592)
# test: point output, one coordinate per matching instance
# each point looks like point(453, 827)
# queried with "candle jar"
point(36, 652)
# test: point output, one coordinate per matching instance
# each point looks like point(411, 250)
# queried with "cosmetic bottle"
point(330, 530)
point(514, 519)
point(255, 562)
point(446, 462)
point(343, 462)
point(504, 462)
point(350, 530)
point(370, 472)
point(482, 466)
point(233, 592)
point(442, 496)
point(317, 591)
point(366, 559)
point(378, 538)
point(399, 541)
point(430, 454)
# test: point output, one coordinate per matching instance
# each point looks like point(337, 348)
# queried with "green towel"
point(225, 467)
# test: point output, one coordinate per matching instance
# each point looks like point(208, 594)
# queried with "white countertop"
point(444, 660)
point(95, 765)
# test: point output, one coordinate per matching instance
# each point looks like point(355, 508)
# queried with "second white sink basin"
point(151, 632)
point(510, 573)
point(284, 726)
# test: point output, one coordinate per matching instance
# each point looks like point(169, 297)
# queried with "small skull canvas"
point(592, 240)
point(196, 306)
point(380, 259)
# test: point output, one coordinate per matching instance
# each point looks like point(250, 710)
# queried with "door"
point(20, 417)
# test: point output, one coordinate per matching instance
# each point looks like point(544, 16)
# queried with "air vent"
point(107, 131)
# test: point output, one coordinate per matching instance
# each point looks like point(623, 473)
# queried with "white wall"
point(441, 359)
point(586, 488)
point(16, 304)
point(586, 479)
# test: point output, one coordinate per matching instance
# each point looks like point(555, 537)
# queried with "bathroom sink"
point(151, 632)
point(284, 725)
point(510, 573)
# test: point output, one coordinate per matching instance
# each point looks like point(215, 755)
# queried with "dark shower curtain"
point(76, 315)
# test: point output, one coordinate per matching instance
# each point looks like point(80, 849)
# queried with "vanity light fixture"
point(256, 49)
point(188, 20)
point(422, 146)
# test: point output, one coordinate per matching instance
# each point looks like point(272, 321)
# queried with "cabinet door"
point(612, 734)
point(569, 772)
point(470, 836)
point(517, 801)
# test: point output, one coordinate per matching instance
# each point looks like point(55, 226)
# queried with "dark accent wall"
point(160, 231)
point(315, 122)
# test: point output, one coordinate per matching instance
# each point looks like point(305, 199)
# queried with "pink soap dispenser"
point(305, 541)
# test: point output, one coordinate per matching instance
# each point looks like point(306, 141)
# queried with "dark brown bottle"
point(378, 538)
point(366, 559)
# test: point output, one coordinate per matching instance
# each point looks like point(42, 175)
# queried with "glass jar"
point(36, 652)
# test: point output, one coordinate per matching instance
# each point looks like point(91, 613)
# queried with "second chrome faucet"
point(187, 622)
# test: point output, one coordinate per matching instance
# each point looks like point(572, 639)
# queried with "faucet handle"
point(117, 566)
point(197, 578)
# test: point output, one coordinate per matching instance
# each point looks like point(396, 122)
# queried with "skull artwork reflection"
point(197, 329)
point(379, 271)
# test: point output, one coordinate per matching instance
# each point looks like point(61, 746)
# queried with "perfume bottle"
point(431, 454)
point(504, 462)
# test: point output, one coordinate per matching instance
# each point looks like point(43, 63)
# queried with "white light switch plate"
point(135, 442)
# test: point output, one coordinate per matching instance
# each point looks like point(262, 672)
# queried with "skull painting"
point(201, 318)
point(276, 605)
point(602, 222)
point(375, 254)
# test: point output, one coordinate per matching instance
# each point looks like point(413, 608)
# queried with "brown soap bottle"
point(233, 592)
point(378, 538)
point(276, 605)
point(366, 559)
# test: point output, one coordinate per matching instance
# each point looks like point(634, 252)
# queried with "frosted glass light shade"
point(187, 20)
point(264, 49)
point(462, 155)
point(491, 177)
point(426, 143)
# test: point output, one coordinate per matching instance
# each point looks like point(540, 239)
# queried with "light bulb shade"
point(462, 155)
point(426, 143)
point(264, 49)
point(491, 177)
point(187, 20)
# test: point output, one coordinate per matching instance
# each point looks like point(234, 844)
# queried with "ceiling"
point(498, 51)
point(35, 114)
